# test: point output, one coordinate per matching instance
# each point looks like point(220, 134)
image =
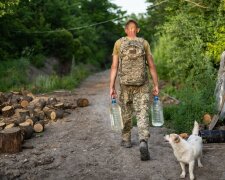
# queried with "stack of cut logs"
point(26, 114)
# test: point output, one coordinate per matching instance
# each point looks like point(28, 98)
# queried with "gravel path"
point(82, 146)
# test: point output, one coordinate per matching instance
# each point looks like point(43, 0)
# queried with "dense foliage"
point(188, 41)
point(54, 28)
point(69, 29)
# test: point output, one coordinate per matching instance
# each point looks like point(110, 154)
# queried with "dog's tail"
point(195, 129)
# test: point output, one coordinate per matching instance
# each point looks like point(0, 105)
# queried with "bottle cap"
point(156, 98)
point(113, 101)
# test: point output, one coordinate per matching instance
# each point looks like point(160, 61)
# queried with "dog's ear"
point(177, 139)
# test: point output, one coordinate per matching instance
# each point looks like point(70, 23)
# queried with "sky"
point(132, 6)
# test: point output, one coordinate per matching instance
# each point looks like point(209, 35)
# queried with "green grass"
point(53, 82)
point(13, 74)
point(193, 105)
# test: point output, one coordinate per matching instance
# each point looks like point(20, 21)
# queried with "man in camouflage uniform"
point(130, 55)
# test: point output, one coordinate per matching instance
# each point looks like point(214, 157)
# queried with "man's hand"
point(113, 93)
point(155, 90)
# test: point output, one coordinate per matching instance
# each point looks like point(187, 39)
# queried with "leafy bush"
point(38, 60)
point(162, 53)
point(216, 48)
point(194, 103)
point(13, 74)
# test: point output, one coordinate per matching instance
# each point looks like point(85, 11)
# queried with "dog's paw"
point(200, 164)
point(192, 177)
point(182, 176)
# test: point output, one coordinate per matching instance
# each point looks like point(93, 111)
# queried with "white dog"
point(188, 151)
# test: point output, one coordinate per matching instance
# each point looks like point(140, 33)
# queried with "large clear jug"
point(115, 116)
point(157, 112)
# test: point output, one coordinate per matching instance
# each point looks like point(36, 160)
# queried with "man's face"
point(131, 30)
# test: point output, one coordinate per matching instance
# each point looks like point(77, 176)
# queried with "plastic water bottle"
point(157, 112)
point(115, 116)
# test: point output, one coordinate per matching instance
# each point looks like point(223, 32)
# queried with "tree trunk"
point(59, 105)
point(9, 126)
point(10, 140)
point(7, 111)
point(17, 106)
point(82, 102)
point(31, 108)
point(32, 120)
point(55, 114)
point(69, 106)
point(2, 98)
point(26, 130)
point(52, 101)
point(19, 120)
point(15, 99)
point(40, 104)
point(27, 98)
point(2, 125)
point(24, 103)
point(22, 113)
point(39, 113)
point(39, 126)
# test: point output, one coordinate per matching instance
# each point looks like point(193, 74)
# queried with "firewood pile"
point(28, 114)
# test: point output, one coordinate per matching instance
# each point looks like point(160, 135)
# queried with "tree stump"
point(59, 105)
point(19, 120)
point(46, 109)
point(39, 126)
point(7, 111)
point(26, 130)
point(15, 99)
point(2, 98)
point(31, 95)
point(16, 93)
point(39, 113)
point(52, 101)
point(31, 108)
point(48, 113)
point(22, 113)
point(8, 95)
point(82, 102)
point(32, 120)
point(17, 106)
point(69, 106)
point(9, 126)
point(2, 125)
point(25, 100)
point(40, 104)
point(10, 140)
point(24, 103)
point(55, 114)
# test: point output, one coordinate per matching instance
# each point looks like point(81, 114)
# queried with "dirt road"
point(82, 146)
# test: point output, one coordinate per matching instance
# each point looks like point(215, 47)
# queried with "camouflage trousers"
point(135, 101)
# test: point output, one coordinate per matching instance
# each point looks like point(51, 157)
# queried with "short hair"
point(131, 21)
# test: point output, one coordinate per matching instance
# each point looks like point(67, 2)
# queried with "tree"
point(6, 6)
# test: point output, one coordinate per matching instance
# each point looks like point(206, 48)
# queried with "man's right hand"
point(113, 93)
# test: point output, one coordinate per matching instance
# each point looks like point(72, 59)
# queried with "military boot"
point(144, 150)
point(126, 144)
